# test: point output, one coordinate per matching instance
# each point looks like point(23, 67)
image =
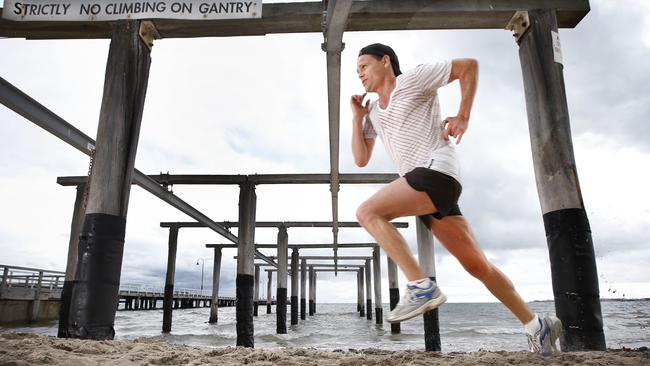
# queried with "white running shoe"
point(417, 300)
point(543, 341)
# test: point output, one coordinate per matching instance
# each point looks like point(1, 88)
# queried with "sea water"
point(464, 327)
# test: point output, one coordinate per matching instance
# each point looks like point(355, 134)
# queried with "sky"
point(258, 105)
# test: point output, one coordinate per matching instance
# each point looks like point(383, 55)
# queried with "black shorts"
point(442, 189)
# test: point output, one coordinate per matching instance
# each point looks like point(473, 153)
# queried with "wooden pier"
point(31, 295)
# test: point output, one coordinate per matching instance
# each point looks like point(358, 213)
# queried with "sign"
point(557, 50)
point(108, 10)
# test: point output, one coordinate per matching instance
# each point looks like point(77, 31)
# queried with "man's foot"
point(417, 299)
point(543, 341)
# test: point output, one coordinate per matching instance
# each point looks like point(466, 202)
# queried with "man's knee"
point(363, 214)
point(479, 268)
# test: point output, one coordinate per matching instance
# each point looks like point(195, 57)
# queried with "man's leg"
point(396, 199)
point(455, 234)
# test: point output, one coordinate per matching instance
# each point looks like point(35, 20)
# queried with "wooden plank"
point(307, 17)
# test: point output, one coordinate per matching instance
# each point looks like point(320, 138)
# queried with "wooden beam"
point(306, 17)
point(170, 179)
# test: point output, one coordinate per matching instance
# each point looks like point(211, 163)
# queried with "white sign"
point(107, 10)
point(557, 50)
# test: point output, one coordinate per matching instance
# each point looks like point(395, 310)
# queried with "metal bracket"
point(148, 32)
point(518, 24)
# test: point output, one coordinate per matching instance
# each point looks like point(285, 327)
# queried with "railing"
point(25, 278)
point(127, 289)
point(23, 281)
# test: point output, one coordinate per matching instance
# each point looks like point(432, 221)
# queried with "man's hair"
point(379, 50)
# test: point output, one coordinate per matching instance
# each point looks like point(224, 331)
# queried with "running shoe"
point(417, 300)
point(543, 341)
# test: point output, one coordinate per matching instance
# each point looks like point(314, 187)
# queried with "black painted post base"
point(294, 310)
point(303, 308)
point(575, 280)
point(395, 328)
point(369, 309)
point(244, 310)
point(64, 311)
point(281, 311)
point(95, 291)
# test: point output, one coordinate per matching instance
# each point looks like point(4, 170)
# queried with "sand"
point(37, 349)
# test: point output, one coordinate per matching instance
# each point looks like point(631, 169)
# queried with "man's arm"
point(466, 72)
point(361, 146)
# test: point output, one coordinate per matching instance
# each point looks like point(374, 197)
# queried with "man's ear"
point(386, 60)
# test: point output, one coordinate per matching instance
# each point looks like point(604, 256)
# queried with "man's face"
point(370, 70)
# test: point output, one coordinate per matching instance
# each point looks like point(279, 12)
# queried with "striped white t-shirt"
point(411, 126)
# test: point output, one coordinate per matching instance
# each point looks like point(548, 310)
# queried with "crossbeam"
point(300, 246)
point(277, 224)
point(307, 17)
point(257, 179)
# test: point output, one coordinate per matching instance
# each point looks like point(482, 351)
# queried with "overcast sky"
point(259, 105)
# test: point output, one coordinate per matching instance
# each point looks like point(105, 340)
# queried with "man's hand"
point(359, 110)
point(454, 126)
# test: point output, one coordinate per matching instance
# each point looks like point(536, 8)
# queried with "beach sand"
point(37, 349)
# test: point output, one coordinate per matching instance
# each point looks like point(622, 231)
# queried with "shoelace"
point(532, 344)
point(409, 296)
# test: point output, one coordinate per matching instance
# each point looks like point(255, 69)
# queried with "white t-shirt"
point(411, 127)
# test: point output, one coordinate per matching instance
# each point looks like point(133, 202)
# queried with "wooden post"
point(315, 290)
point(362, 311)
point(71, 266)
point(4, 284)
point(368, 290)
point(312, 290)
point(294, 286)
point(36, 304)
point(426, 260)
point(393, 289)
point(101, 246)
point(281, 294)
point(568, 235)
point(169, 279)
point(246, 265)
point(303, 288)
point(269, 287)
point(256, 296)
point(376, 266)
point(216, 274)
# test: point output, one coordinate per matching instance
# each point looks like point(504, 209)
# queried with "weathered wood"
point(376, 268)
point(269, 288)
point(362, 303)
point(312, 290)
point(169, 280)
point(568, 235)
point(246, 266)
point(294, 286)
point(176, 179)
point(256, 296)
point(281, 298)
point(95, 291)
point(216, 274)
point(368, 269)
point(71, 265)
point(303, 288)
point(307, 17)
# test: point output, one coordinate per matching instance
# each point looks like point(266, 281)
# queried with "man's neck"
point(385, 89)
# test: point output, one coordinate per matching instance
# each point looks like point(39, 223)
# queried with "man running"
point(407, 119)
